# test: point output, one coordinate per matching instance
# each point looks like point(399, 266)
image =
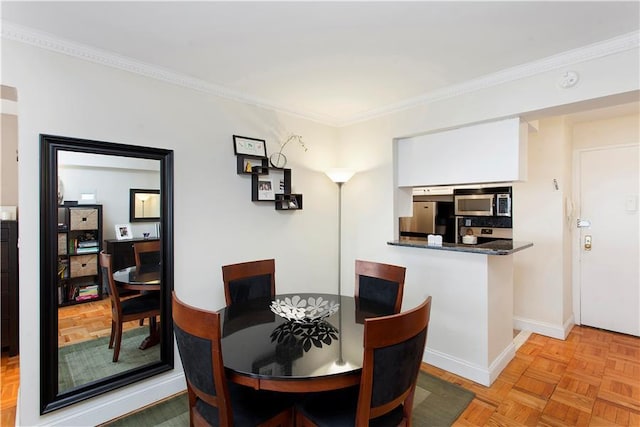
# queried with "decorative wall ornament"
point(279, 160)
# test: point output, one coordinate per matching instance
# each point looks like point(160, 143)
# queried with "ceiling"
point(334, 62)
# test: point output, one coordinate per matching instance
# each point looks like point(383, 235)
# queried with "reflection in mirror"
point(144, 205)
point(96, 346)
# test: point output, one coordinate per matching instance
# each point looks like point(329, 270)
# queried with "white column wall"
point(538, 214)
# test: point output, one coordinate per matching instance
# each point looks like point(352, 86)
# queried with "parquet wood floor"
point(590, 379)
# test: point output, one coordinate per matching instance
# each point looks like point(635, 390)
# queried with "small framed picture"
point(123, 231)
point(265, 190)
point(249, 146)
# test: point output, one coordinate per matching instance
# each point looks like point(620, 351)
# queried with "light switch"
point(631, 203)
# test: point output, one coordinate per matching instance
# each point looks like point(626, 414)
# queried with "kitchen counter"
point(471, 334)
point(496, 247)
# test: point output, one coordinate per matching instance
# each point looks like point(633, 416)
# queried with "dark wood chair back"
point(122, 311)
point(393, 350)
point(147, 253)
point(212, 400)
point(380, 284)
point(249, 280)
point(106, 267)
point(198, 336)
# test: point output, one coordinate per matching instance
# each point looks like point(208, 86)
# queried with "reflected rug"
point(437, 403)
point(88, 361)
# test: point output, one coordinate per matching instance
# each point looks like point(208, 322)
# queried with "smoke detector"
point(568, 80)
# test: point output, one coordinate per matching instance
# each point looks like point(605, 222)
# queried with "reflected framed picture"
point(144, 205)
point(249, 146)
point(123, 231)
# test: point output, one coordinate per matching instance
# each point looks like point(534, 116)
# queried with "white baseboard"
point(109, 406)
point(521, 338)
point(481, 375)
point(547, 329)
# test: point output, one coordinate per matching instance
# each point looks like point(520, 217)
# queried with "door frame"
point(572, 213)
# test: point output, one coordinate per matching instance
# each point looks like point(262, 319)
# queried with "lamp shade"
point(340, 175)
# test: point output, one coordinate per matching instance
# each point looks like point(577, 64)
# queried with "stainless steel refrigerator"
point(422, 222)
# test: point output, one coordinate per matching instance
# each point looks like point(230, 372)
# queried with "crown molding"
point(52, 43)
point(46, 41)
point(565, 59)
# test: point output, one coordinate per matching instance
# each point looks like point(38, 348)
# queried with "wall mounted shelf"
point(268, 184)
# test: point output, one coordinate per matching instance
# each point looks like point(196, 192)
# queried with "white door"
point(609, 272)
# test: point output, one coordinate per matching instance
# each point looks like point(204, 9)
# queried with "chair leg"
point(116, 351)
point(141, 322)
point(113, 330)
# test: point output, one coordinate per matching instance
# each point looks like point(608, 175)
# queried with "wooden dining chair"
point(147, 253)
point(213, 401)
point(249, 280)
point(125, 310)
point(380, 284)
point(393, 349)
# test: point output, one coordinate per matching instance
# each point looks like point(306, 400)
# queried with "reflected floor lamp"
point(340, 176)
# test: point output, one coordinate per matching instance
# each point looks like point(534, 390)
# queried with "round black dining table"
point(147, 278)
point(265, 351)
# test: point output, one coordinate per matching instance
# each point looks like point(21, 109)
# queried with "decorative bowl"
point(301, 310)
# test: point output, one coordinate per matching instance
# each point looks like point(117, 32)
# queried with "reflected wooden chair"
point(125, 310)
point(249, 280)
point(393, 349)
point(380, 284)
point(213, 401)
point(147, 253)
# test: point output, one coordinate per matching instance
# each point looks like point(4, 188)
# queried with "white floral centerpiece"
point(300, 310)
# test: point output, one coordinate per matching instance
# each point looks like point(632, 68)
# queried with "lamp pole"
point(340, 176)
point(340, 238)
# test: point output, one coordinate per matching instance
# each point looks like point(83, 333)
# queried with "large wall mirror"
point(85, 198)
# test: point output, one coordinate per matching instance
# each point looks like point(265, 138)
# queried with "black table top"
point(147, 275)
point(258, 343)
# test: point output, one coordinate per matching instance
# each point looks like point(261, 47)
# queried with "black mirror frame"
point(50, 398)
point(132, 205)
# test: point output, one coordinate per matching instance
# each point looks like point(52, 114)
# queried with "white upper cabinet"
point(483, 153)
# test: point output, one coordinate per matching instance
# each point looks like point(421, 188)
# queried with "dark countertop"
point(497, 247)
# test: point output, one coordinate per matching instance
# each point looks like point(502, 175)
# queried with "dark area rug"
point(437, 403)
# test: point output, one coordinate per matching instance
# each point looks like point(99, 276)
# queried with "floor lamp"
point(340, 176)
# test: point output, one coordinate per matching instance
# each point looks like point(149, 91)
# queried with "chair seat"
point(145, 302)
point(338, 409)
point(250, 407)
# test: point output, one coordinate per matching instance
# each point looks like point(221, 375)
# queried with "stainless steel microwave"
point(483, 202)
point(474, 204)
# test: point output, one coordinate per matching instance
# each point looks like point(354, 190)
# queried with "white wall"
point(215, 221)
point(620, 130)
point(111, 187)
